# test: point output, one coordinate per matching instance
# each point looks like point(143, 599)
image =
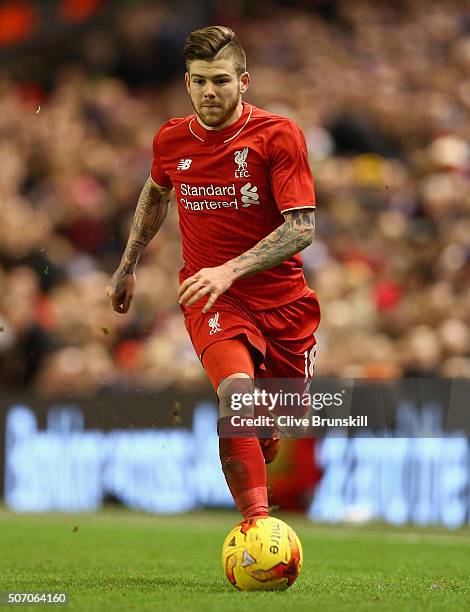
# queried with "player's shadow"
point(184, 584)
point(177, 582)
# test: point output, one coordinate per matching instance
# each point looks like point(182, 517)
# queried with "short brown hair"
point(207, 43)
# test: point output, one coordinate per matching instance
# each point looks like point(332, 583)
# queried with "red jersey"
point(232, 186)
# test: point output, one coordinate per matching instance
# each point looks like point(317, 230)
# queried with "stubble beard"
point(214, 120)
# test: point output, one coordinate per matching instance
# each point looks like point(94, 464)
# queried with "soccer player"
point(246, 203)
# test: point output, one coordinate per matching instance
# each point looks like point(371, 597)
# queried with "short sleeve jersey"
point(232, 186)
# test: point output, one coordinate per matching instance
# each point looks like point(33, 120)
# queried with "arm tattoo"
point(289, 238)
point(150, 213)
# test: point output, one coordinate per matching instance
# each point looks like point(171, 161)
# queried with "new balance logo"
point(214, 324)
point(249, 195)
point(184, 164)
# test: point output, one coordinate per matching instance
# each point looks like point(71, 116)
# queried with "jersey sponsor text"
point(248, 192)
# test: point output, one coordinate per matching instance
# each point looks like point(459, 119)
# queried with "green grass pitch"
point(120, 560)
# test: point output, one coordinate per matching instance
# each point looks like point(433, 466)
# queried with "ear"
point(186, 80)
point(244, 82)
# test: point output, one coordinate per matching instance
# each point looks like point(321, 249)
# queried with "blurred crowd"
point(382, 92)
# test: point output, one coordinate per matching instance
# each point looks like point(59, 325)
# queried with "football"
point(262, 554)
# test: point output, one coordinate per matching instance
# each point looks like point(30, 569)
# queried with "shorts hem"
point(248, 337)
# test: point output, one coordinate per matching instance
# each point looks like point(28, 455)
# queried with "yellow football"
point(262, 554)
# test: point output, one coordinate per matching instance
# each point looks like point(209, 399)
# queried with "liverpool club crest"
point(242, 164)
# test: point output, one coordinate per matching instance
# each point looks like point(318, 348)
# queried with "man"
point(246, 208)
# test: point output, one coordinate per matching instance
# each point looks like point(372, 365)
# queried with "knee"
point(233, 394)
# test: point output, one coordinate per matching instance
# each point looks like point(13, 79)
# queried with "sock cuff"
point(256, 503)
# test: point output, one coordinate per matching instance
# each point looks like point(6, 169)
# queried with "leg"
point(221, 362)
point(240, 453)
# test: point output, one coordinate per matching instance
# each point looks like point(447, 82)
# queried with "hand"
point(120, 290)
point(208, 280)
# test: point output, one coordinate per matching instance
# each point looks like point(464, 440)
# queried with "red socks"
point(244, 468)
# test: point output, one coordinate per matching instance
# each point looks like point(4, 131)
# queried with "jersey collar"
point(222, 136)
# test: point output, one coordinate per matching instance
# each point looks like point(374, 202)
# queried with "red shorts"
point(281, 340)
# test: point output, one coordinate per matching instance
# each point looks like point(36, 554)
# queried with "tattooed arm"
point(150, 213)
point(289, 238)
point(292, 236)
